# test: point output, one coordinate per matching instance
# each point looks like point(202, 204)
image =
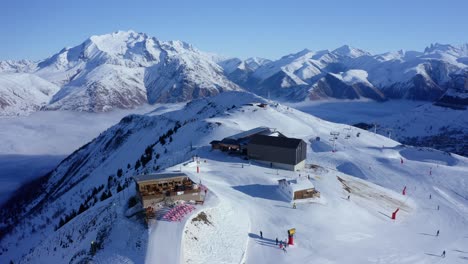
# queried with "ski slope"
point(332, 229)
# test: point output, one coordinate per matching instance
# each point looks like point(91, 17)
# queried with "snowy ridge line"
point(125, 69)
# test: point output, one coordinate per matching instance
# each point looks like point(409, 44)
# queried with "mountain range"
point(125, 69)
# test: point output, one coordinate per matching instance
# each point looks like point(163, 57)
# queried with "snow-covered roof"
point(249, 133)
point(301, 183)
point(158, 176)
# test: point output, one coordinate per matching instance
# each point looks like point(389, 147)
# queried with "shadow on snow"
point(269, 192)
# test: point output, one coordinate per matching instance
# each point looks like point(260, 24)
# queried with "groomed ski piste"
point(243, 197)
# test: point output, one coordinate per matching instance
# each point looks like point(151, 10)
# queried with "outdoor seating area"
point(177, 213)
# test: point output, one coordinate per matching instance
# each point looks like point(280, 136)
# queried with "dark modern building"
point(238, 142)
point(279, 152)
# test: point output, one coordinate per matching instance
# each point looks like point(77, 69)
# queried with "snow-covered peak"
point(348, 51)
point(117, 43)
point(453, 50)
point(17, 66)
point(255, 62)
point(293, 56)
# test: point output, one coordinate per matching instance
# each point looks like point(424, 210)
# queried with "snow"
point(353, 76)
point(23, 93)
point(348, 51)
point(300, 184)
point(125, 69)
point(120, 70)
point(245, 198)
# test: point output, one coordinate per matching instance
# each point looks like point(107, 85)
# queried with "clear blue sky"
point(37, 29)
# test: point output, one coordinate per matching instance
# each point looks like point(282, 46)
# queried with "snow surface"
point(246, 200)
point(23, 93)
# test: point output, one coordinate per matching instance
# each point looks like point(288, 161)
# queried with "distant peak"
point(454, 50)
point(349, 51)
point(438, 46)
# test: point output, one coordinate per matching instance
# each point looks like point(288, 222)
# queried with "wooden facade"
point(305, 194)
point(155, 188)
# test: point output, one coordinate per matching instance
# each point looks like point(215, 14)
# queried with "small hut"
point(297, 189)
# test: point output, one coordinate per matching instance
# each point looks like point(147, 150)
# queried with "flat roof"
point(299, 184)
point(282, 142)
point(159, 176)
point(250, 132)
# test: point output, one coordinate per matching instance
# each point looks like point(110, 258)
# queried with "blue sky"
point(37, 29)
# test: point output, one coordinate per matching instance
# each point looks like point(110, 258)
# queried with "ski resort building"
point(279, 152)
point(297, 189)
point(156, 188)
point(238, 142)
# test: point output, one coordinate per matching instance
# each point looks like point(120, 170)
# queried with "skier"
point(401, 160)
point(294, 205)
point(308, 177)
point(261, 235)
point(276, 241)
point(430, 196)
point(443, 254)
point(437, 233)
point(284, 249)
point(437, 207)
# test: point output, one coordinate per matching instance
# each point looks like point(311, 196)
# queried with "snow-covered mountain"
point(393, 75)
point(22, 93)
point(352, 84)
point(56, 218)
point(125, 69)
point(456, 95)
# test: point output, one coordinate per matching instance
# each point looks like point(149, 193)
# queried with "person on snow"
point(430, 196)
point(261, 235)
point(294, 205)
point(443, 254)
point(276, 241)
point(284, 249)
point(437, 234)
point(349, 196)
point(437, 207)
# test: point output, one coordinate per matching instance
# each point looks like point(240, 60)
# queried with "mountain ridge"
point(125, 69)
